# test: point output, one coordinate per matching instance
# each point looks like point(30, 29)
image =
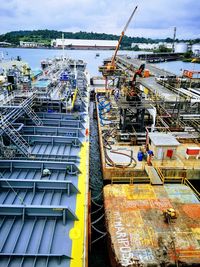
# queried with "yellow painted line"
point(78, 233)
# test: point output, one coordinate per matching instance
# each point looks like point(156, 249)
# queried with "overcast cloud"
point(154, 18)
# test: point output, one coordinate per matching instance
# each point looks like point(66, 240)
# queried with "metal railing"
point(130, 180)
point(188, 183)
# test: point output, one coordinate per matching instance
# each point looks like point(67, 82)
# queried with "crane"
point(111, 66)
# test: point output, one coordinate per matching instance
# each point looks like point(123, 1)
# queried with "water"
point(34, 56)
point(98, 256)
point(177, 67)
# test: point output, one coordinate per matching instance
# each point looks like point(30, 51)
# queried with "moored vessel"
point(44, 169)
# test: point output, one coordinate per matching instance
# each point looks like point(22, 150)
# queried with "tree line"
point(45, 36)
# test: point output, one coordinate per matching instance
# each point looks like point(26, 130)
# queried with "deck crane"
point(110, 67)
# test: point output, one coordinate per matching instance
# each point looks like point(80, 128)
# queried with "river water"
point(98, 255)
point(34, 56)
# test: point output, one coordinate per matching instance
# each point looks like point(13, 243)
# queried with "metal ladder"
point(30, 112)
point(15, 137)
point(32, 115)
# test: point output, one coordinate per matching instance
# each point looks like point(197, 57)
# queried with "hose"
point(107, 146)
point(103, 109)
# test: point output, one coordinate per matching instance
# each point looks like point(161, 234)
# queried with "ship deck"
point(137, 231)
point(44, 185)
point(120, 152)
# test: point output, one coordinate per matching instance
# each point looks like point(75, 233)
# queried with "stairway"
point(32, 115)
point(15, 137)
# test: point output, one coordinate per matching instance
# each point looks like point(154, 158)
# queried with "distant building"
point(3, 44)
point(150, 46)
point(84, 44)
point(30, 44)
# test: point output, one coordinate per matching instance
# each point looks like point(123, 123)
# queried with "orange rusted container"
point(138, 233)
point(146, 73)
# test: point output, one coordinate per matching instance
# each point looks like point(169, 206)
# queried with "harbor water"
point(34, 56)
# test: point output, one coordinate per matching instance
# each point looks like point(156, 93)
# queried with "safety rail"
point(188, 183)
point(130, 180)
point(174, 178)
point(15, 137)
point(168, 179)
point(171, 88)
point(162, 177)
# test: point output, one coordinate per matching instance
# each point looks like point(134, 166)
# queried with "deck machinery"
point(44, 170)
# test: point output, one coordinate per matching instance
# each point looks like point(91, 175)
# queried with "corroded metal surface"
point(138, 232)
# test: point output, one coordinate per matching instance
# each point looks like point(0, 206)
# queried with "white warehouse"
point(84, 44)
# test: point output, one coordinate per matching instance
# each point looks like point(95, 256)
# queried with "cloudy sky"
point(154, 18)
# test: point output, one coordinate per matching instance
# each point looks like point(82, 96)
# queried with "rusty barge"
point(149, 133)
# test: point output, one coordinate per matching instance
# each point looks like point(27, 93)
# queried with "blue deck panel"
point(41, 83)
point(37, 210)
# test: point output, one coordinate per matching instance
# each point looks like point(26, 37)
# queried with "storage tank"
point(196, 49)
point(181, 47)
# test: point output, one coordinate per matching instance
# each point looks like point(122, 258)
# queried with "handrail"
point(121, 179)
point(188, 183)
point(162, 177)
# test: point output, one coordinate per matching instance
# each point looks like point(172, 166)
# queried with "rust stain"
point(192, 210)
point(138, 230)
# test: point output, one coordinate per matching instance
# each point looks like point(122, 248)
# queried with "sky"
point(153, 18)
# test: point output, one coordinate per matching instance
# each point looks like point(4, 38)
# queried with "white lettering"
point(126, 257)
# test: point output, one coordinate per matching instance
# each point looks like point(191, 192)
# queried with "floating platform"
point(138, 234)
point(149, 144)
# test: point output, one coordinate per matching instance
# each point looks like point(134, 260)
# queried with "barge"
point(149, 142)
point(44, 163)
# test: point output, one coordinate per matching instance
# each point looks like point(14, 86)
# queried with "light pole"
point(193, 61)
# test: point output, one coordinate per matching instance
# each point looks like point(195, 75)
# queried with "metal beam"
point(34, 255)
point(69, 167)
point(74, 141)
point(58, 123)
point(61, 212)
point(39, 185)
point(54, 131)
point(60, 116)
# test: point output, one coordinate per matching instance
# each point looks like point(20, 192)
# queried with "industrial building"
point(151, 46)
point(181, 47)
point(84, 44)
point(30, 44)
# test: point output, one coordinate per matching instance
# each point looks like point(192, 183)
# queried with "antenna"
point(63, 45)
point(173, 44)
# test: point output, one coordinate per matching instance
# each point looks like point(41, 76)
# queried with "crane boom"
point(121, 36)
